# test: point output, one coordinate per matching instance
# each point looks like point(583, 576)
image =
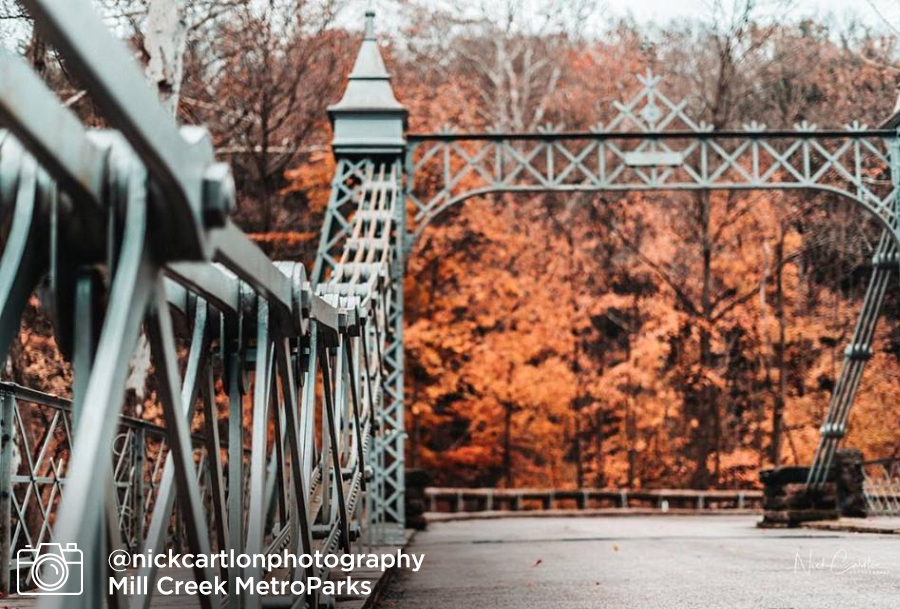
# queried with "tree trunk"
point(778, 410)
point(579, 466)
point(507, 444)
point(165, 40)
point(631, 435)
point(415, 441)
point(708, 409)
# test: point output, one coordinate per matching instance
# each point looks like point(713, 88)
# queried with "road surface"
point(668, 562)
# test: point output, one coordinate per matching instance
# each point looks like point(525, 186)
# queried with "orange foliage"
point(555, 341)
point(313, 180)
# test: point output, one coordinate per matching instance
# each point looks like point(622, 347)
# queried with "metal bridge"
point(129, 228)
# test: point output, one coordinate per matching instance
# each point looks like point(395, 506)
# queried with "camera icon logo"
point(51, 567)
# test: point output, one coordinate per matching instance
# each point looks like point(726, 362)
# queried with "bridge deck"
point(677, 562)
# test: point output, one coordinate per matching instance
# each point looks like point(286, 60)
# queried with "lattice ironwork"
point(652, 144)
point(856, 355)
point(144, 210)
point(39, 454)
point(882, 487)
point(358, 265)
point(360, 255)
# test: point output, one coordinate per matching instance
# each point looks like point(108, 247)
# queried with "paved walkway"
point(887, 526)
point(669, 562)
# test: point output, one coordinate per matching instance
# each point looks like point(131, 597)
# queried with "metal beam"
point(105, 65)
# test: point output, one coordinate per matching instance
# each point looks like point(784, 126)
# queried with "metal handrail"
point(34, 396)
point(881, 486)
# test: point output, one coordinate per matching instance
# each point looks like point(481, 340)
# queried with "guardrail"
point(457, 500)
point(37, 445)
point(882, 486)
point(128, 230)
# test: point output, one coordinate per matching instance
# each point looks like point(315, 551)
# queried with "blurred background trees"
point(664, 340)
point(598, 340)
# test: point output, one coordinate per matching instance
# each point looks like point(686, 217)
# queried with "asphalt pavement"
point(655, 562)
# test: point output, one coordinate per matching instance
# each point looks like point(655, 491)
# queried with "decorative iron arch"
point(652, 144)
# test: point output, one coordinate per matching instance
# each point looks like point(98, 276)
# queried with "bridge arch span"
point(878, 212)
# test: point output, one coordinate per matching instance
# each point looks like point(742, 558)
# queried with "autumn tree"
point(690, 333)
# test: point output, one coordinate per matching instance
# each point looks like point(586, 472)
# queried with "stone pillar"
point(850, 480)
point(787, 502)
point(417, 480)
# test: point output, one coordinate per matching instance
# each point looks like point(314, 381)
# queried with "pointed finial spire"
point(370, 21)
point(368, 119)
point(894, 121)
point(897, 103)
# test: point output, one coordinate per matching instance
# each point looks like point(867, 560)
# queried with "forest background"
point(664, 340)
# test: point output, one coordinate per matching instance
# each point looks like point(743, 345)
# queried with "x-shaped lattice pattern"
point(651, 144)
point(882, 488)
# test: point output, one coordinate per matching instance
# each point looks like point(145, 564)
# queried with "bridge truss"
point(129, 229)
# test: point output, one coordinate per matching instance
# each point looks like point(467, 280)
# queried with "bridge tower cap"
point(368, 119)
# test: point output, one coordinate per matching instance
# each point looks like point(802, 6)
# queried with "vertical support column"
point(336, 224)
point(369, 130)
point(140, 452)
point(232, 353)
point(859, 351)
point(7, 439)
point(394, 426)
